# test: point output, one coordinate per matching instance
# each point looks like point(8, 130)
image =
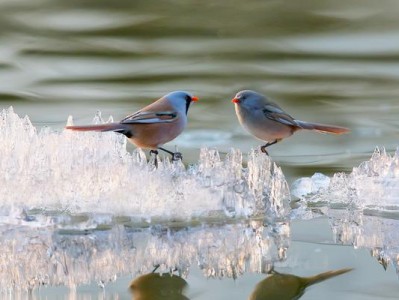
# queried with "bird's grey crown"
point(245, 94)
point(177, 97)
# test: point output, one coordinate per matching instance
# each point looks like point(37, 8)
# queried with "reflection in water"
point(278, 286)
point(76, 254)
point(158, 286)
point(370, 229)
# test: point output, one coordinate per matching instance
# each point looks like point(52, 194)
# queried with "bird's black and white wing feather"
point(148, 117)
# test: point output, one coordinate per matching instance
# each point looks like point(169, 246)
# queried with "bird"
point(270, 123)
point(279, 286)
point(152, 126)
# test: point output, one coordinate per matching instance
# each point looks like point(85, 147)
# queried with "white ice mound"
point(94, 173)
point(372, 185)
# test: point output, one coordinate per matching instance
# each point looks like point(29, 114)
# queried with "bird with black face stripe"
point(268, 122)
point(154, 125)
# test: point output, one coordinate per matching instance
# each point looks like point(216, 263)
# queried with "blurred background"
point(324, 61)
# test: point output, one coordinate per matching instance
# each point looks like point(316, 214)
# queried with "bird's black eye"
point(188, 98)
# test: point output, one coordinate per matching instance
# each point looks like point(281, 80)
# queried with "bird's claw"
point(263, 149)
point(177, 156)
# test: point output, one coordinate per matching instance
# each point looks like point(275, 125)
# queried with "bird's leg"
point(263, 148)
point(175, 155)
point(155, 152)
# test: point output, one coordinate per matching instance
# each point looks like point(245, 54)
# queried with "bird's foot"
point(177, 156)
point(263, 149)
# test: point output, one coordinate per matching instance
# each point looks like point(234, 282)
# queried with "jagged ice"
point(94, 173)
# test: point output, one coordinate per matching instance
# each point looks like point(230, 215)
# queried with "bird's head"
point(181, 100)
point(248, 99)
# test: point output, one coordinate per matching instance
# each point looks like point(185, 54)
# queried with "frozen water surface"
point(78, 207)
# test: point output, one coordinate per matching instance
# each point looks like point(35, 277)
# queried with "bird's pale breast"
point(256, 123)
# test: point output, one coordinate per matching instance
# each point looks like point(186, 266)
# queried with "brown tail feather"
point(324, 276)
point(322, 127)
point(99, 127)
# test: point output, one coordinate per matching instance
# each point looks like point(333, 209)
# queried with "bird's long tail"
point(324, 276)
point(100, 127)
point(322, 127)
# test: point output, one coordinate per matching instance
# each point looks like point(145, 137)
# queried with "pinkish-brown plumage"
point(152, 126)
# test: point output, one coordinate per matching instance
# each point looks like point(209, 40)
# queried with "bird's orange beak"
point(235, 100)
point(194, 98)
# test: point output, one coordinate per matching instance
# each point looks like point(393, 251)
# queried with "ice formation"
point(362, 206)
point(79, 207)
point(373, 184)
point(94, 173)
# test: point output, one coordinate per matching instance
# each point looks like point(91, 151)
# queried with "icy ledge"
point(362, 206)
point(373, 185)
point(94, 173)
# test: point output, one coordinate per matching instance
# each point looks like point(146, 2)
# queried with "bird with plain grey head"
point(154, 125)
point(268, 122)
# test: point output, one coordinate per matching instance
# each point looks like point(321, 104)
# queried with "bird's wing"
point(274, 112)
point(150, 117)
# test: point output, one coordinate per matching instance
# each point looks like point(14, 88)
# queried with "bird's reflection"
point(279, 286)
point(157, 286)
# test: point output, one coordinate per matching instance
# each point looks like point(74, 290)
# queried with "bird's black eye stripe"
point(188, 102)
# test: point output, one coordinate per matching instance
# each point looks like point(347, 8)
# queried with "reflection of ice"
point(363, 206)
point(93, 172)
point(30, 258)
point(380, 235)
